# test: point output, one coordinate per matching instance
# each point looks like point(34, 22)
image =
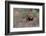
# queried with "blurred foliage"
point(35, 13)
point(24, 12)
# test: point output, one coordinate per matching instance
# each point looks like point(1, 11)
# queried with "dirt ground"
point(22, 23)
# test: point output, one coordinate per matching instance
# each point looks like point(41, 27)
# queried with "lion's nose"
point(30, 19)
